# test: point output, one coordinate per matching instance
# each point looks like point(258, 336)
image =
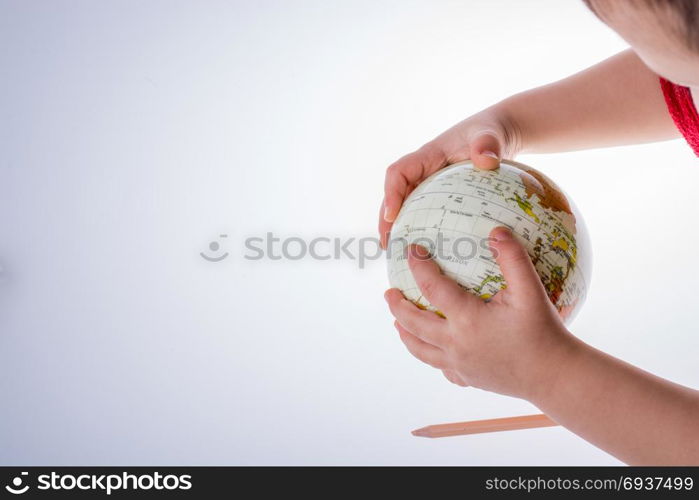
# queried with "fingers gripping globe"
point(452, 212)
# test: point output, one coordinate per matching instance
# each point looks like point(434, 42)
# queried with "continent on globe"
point(452, 212)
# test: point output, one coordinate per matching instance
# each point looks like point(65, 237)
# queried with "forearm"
point(616, 102)
point(634, 415)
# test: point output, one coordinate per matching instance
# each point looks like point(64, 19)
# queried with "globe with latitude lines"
point(452, 212)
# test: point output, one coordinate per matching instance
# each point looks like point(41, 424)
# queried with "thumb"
point(485, 151)
point(517, 268)
point(441, 291)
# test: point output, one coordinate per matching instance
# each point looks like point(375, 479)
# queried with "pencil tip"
point(420, 432)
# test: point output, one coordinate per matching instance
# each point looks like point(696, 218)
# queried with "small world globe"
point(452, 212)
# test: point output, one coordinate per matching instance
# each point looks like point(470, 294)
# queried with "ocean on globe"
point(452, 212)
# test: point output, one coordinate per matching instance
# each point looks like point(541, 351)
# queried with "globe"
point(452, 212)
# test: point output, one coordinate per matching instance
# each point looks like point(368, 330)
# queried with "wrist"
point(497, 120)
point(553, 368)
point(514, 128)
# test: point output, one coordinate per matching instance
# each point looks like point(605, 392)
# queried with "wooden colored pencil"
point(490, 425)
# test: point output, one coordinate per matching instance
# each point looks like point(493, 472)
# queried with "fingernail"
point(501, 234)
point(386, 215)
point(418, 252)
point(490, 153)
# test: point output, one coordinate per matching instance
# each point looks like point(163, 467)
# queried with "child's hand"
point(484, 138)
point(512, 345)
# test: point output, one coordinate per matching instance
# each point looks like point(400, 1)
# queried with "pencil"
point(490, 425)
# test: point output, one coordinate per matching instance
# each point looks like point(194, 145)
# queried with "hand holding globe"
point(514, 344)
point(510, 262)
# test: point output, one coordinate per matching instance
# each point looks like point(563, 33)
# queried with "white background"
point(133, 133)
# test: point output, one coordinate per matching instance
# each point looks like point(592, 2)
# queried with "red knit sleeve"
point(683, 111)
